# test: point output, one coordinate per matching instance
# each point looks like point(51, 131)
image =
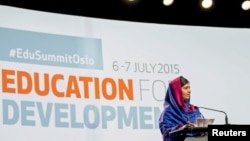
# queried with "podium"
point(189, 134)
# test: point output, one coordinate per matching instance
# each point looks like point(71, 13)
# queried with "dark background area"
point(224, 13)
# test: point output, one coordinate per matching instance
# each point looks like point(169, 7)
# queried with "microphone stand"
point(226, 118)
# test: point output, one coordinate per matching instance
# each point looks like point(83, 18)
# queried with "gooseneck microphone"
point(188, 118)
point(188, 124)
point(226, 118)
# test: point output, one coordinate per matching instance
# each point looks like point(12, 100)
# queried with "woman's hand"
point(191, 125)
point(188, 125)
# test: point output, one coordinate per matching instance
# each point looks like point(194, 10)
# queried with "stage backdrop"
point(73, 78)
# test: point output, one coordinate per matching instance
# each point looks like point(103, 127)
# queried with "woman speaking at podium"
point(178, 112)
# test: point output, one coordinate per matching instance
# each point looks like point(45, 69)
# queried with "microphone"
point(226, 118)
point(188, 125)
point(188, 119)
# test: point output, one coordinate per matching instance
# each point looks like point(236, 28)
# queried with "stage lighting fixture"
point(245, 5)
point(168, 2)
point(131, 2)
point(206, 4)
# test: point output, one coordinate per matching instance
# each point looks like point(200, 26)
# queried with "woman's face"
point(186, 91)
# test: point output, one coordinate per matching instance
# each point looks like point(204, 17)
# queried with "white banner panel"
point(79, 78)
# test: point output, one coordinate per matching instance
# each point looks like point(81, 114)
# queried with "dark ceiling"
point(225, 13)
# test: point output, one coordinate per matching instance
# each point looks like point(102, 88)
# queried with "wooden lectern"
point(190, 134)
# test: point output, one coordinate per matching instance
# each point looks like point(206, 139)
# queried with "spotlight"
point(168, 2)
point(131, 2)
point(207, 3)
point(245, 5)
